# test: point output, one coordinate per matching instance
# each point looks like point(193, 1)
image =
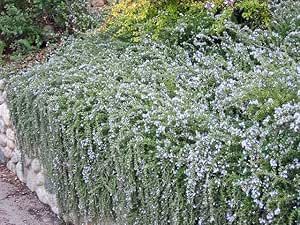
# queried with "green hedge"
point(148, 134)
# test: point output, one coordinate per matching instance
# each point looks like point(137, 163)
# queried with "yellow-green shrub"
point(135, 19)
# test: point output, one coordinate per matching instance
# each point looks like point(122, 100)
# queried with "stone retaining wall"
point(29, 171)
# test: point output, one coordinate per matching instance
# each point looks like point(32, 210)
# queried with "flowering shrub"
point(179, 20)
point(149, 134)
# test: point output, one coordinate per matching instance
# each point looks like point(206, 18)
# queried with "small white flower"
point(270, 216)
point(230, 218)
point(277, 211)
point(209, 5)
point(273, 163)
point(229, 2)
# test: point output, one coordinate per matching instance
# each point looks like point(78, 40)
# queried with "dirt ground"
point(20, 206)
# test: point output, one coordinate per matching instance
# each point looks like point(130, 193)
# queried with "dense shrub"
point(179, 20)
point(148, 134)
point(26, 25)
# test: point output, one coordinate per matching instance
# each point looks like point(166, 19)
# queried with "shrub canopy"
point(151, 134)
point(178, 21)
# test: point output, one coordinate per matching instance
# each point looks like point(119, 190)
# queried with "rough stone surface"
point(43, 195)
point(40, 179)
point(11, 166)
point(16, 157)
point(10, 134)
point(27, 161)
point(53, 203)
point(31, 180)
point(20, 172)
point(2, 157)
point(7, 152)
point(2, 125)
point(2, 99)
point(55, 209)
point(11, 144)
point(3, 140)
point(35, 165)
point(4, 95)
point(4, 112)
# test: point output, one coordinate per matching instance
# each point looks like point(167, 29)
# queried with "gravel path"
point(20, 206)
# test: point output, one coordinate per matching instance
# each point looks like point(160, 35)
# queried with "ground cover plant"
point(147, 133)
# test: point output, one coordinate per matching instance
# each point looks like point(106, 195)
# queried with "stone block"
point(2, 157)
point(52, 201)
point(2, 125)
point(42, 194)
point(4, 112)
point(40, 179)
point(36, 166)
point(11, 144)
point(31, 179)
point(10, 134)
point(11, 166)
point(2, 99)
point(16, 156)
point(7, 152)
point(20, 172)
point(3, 140)
point(27, 161)
point(4, 94)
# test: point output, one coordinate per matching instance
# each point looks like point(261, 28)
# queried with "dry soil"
point(20, 206)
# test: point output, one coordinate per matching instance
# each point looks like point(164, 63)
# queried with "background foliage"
point(152, 134)
point(27, 25)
